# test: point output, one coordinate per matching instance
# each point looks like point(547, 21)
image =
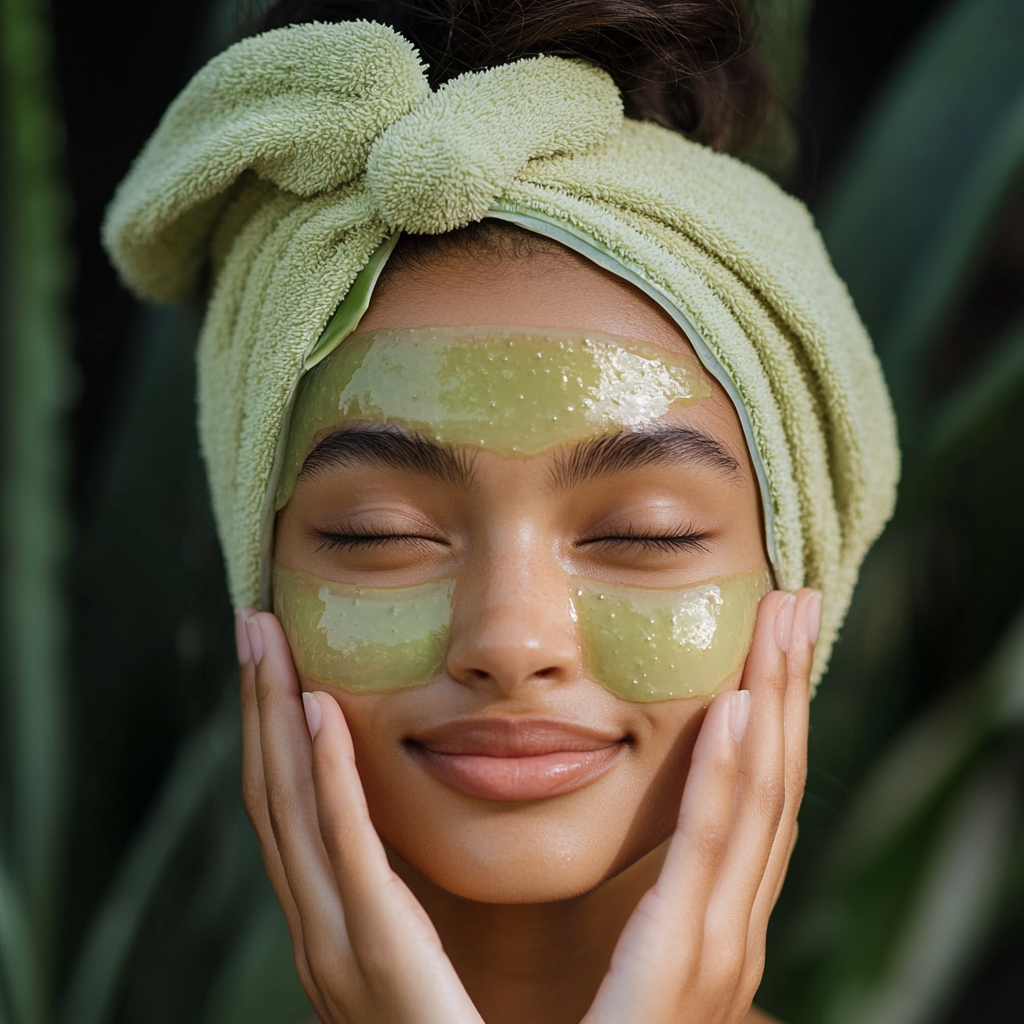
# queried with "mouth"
point(508, 760)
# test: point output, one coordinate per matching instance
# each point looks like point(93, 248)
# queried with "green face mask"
point(512, 391)
point(517, 393)
point(650, 645)
point(364, 639)
point(642, 645)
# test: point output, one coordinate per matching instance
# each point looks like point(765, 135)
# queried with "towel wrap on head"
point(285, 169)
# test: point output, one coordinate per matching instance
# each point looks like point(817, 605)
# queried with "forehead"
point(559, 287)
point(550, 288)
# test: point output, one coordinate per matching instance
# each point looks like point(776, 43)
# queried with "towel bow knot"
point(441, 165)
point(430, 161)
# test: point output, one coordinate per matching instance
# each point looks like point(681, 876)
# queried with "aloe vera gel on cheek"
point(641, 644)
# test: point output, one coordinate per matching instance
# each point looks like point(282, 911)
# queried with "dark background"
point(150, 622)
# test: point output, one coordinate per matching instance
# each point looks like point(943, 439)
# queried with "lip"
point(510, 759)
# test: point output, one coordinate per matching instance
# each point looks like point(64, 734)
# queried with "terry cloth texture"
point(292, 156)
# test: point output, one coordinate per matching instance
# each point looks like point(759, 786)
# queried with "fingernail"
point(314, 713)
point(784, 622)
point(739, 714)
point(242, 636)
point(255, 638)
point(814, 617)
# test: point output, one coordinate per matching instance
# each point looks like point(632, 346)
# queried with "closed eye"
point(683, 540)
point(368, 539)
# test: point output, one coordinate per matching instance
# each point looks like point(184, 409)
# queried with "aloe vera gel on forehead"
point(513, 391)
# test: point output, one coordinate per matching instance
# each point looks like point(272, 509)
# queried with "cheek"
point(642, 645)
point(364, 639)
point(676, 725)
point(658, 646)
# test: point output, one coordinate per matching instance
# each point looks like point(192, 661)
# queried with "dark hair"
point(685, 65)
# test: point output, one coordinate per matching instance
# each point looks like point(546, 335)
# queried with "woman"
point(514, 412)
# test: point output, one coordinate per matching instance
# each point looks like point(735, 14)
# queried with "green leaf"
point(258, 984)
point(934, 164)
point(968, 416)
point(905, 784)
point(947, 267)
point(35, 390)
point(92, 991)
point(941, 934)
point(1006, 682)
point(925, 760)
point(19, 958)
point(781, 40)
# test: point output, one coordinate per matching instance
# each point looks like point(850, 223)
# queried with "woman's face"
point(513, 777)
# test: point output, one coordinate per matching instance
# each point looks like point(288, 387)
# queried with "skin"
point(643, 895)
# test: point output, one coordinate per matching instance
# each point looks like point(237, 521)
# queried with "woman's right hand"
point(365, 950)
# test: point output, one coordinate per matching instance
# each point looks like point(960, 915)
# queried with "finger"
point(785, 868)
point(254, 790)
point(353, 847)
point(761, 795)
point(254, 800)
point(377, 903)
point(695, 853)
point(800, 658)
point(665, 935)
point(291, 803)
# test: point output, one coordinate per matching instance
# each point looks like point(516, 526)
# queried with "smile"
point(515, 759)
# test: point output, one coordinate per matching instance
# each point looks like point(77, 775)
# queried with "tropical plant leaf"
point(949, 265)
point(927, 758)
point(926, 177)
point(20, 967)
point(781, 40)
point(941, 933)
point(258, 984)
point(35, 390)
point(92, 991)
point(969, 415)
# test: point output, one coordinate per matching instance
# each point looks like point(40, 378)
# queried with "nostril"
point(546, 673)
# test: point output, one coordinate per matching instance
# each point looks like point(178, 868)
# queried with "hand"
point(365, 950)
point(693, 950)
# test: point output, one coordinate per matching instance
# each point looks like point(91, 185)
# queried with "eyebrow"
point(614, 453)
point(393, 447)
point(627, 450)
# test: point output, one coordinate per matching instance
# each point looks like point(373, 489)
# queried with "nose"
point(514, 629)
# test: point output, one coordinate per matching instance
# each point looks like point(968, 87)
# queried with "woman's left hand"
point(693, 950)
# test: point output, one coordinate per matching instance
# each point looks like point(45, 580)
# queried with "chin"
point(520, 850)
point(536, 854)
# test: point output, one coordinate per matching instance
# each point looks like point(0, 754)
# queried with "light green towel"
point(291, 157)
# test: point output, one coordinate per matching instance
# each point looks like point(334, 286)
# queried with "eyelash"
point(684, 540)
point(368, 539)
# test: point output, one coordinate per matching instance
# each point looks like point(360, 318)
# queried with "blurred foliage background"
point(131, 890)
